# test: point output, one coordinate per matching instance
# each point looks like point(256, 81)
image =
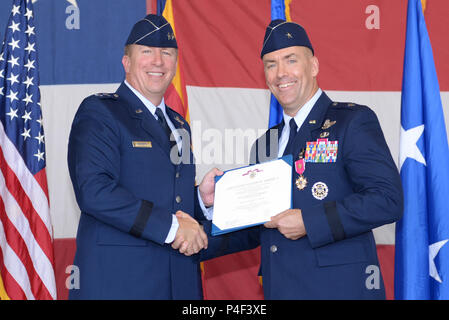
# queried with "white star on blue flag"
point(421, 256)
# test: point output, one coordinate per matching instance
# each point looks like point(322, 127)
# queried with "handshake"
point(190, 237)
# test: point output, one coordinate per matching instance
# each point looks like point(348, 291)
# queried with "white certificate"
point(251, 195)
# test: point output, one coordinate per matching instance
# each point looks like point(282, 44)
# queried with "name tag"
point(142, 144)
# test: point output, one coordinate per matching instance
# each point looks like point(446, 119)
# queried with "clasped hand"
point(190, 237)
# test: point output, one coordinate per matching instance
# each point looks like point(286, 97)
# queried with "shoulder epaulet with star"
point(113, 96)
point(343, 104)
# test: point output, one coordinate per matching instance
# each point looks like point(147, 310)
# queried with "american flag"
point(26, 235)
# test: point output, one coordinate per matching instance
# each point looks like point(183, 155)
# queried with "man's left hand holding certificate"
point(251, 195)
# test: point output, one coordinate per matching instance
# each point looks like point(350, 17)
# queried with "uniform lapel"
point(139, 111)
point(182, 127)
point(275, 130)
point(265, 143)
point(177, 121)
point(313, 122)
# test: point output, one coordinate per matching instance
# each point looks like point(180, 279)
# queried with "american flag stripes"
point(26, 235)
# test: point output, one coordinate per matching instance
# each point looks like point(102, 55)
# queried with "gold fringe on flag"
point(3, 294)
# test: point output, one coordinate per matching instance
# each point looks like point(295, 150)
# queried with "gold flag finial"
point(423, 3)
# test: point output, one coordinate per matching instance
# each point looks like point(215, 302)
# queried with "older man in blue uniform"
point(123, 157)
point(345, 182)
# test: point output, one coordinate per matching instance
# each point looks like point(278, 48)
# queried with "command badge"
point(320, 190)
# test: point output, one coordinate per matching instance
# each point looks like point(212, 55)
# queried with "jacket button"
point(273, 248)
point(177, 175)
point(178, 199)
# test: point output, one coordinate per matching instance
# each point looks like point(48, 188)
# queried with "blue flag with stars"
point(20, 109)
point(422, 251)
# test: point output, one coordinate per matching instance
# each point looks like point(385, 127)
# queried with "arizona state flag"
point(280, 9)
point(176, 96)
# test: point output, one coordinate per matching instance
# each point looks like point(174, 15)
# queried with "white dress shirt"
point(300, 117)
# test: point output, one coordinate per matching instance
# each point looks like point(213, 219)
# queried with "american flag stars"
point(19, 89)
point(14, 27)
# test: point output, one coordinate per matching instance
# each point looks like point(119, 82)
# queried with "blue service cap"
point(153, 31)
point(282, 34)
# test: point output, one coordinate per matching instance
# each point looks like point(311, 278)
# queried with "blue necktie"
point(163, 122)
point(291, 137)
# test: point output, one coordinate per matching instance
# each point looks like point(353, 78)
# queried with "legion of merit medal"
point(300, 166)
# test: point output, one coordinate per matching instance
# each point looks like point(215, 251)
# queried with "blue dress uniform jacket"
point(337, 259)
point(127, 189)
